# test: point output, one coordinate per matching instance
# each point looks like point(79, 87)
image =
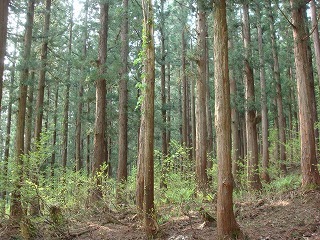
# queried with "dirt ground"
point(292, 215)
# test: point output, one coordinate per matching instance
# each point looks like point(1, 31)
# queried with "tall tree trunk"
point(310, 173)
point(163, 99)
point(65, 128)
point(35, 204)
point(184, 99)
point(264, 110)
point(54, 134)
point(315, 36)
point(8, 134)
point(201, 125)
point(227, 226)
point(276, 72)
point(209, 121)
point(88, 162)
point(123, 99)
point(252, 142)
point(42, 74)
point(99, 155)
point(29, 117)
point(16, 211)
point(4, 12)
point(78, 138)
point(148, 112)
point(234, 119)
point(168, 104)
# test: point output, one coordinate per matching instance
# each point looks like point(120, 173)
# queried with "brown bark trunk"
point(227, 226)
point(4, 11)
point(276, 73)
point(310, 173)
point(123, 99)
point(169, 110)
point(65, 127)
point(201, 125)
point(252, 142)
point(16, 211)
point(8, 135)
point(99, 155)
point(88, 162)
point(315, 36)
point(54, 134)
point(163, 100)
point(30, 106)
point(264, 109)
point(148, 112)
point(184, 98)
point(234, 119)
point(42, 74)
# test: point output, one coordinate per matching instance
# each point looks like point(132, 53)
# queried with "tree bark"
point(310, 173)
point(315, 36)
point(123, 99)
point(163, 99)
point(4, 12)
point(252, 142)
point(234, 118)
point(65, 128)
point(264, 110)
point(16, 212)
point(276, 73)
point(201, 125)
point(148, 112)
point(227, 226)
point(99, 155)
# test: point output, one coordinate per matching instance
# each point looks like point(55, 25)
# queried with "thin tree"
point(315, 36)
point(276, 73)
point(4, 12)
point(78, 137)
point(16, 211)
point(99, 155)
point(264, 109)
point(251, 128)
point(148, 112)
point(65, 128)
point(227, 226)
point(310, 172)
point(123, 99)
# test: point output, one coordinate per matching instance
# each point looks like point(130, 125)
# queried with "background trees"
point(153, 95)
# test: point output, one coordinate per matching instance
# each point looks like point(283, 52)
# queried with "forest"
point(159, 119)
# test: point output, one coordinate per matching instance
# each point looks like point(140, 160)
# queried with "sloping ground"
point(293, 215)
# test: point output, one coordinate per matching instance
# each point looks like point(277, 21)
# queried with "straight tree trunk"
point(65, 127)
point(99, 155)
point(42, 74)
point(234, 119)
point(29, 117)
point(16, 211)
point(148, 112)
point(184, 98)
point(123, 99)
point(88, 162)
point(252, 142)
point(54, 134)
point(227, 226)
point(163, 99)
point(8, 134)
point(201, 124)
point(315, 36)
point(4, 12)
point(78, 137)
point(35, 204)
point(276, 72)
point(264, 109)
point(310, 173)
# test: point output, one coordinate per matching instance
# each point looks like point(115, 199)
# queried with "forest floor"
point(290, 215)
